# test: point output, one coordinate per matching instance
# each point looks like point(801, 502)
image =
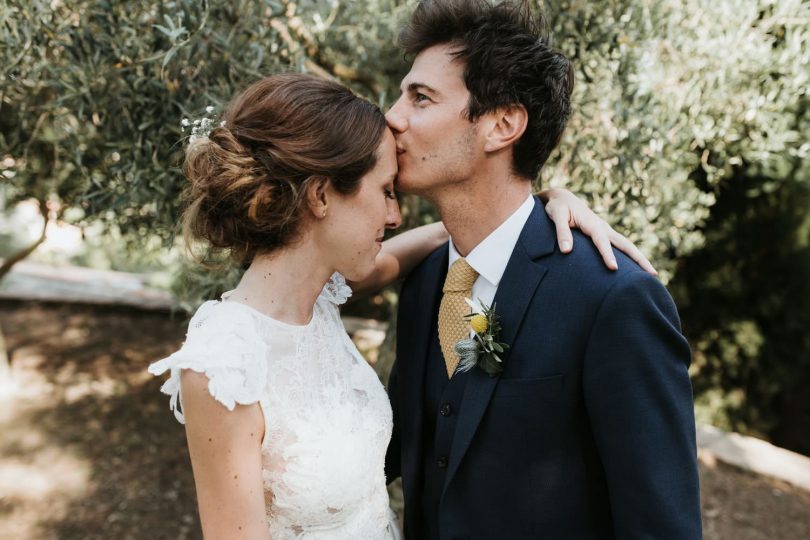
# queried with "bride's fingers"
point(599, 232)
point(566, 211)
point(602, 242)
point(623, 244)
point(560, 216)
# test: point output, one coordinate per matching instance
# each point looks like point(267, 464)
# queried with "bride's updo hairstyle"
point(248, 178)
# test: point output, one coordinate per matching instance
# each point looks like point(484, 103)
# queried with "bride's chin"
point(358, 273)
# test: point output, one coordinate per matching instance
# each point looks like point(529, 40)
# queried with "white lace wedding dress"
point(327, 417)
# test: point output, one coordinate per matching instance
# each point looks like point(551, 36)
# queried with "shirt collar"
point(490, 257)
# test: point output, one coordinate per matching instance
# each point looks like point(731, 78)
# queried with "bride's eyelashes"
point(389, 193)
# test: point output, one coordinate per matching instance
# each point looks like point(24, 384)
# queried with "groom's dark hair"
point(508, 60)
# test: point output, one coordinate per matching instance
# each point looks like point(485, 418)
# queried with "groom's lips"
point(400, 150)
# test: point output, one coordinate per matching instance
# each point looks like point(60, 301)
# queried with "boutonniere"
point(483, 349)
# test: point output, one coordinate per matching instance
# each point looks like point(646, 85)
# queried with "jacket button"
point(442, 462)
point(446, 409)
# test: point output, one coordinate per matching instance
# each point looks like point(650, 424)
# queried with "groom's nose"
point(396, 118)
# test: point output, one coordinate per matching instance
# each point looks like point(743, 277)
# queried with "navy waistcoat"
point(442, 399)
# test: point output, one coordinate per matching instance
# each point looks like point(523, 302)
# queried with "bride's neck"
point(284, 284)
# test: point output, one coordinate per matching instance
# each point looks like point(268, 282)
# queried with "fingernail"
point(566, 245)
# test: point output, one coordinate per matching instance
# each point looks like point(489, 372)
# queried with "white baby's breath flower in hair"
point(200, 127)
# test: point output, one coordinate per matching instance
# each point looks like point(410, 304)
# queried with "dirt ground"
point(89, 448)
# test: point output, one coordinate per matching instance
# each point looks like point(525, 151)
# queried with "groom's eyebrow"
point(422, 87)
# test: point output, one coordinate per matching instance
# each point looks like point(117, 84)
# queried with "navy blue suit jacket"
point(588, 433)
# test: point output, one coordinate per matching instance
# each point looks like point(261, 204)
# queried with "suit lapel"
point(515, 291)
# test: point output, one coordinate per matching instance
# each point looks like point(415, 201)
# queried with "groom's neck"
point(471, 210)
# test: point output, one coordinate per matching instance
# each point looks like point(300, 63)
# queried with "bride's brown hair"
point(248, 178)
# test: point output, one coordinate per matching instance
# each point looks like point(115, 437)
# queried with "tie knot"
point(460, 277)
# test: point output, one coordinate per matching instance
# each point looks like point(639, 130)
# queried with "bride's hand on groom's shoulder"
point(567, 211)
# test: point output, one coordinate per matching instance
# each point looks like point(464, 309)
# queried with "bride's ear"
point(317, 193)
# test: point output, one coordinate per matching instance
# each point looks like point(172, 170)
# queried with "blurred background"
point(689, 135)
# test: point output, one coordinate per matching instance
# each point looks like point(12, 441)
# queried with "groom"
point(588, 431)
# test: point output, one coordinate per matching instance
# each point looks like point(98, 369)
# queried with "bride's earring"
point(323, 214)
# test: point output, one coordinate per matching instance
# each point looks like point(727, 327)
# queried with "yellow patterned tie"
point(453, 327)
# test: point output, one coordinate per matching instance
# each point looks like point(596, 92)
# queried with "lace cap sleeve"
point(224, 343)
point(336, 290)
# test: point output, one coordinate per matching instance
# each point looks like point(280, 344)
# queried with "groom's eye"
point(420, 97)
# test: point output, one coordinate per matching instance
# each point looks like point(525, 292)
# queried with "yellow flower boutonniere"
point(483, 348)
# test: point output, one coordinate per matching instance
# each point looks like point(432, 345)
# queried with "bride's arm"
point(225, 449)
point(400, 254)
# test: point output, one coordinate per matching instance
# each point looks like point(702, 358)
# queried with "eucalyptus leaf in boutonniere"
point(482, 349)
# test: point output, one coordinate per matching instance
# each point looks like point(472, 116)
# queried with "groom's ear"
point(505, 127)
point(317, 193)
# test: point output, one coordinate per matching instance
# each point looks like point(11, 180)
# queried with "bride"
point(287, 425)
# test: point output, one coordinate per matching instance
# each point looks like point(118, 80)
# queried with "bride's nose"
point(393, 219)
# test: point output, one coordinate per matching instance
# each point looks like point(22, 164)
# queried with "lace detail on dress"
point(327, 417)
point(336, 290)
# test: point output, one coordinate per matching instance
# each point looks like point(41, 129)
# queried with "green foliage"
point(745, 304)
point(194, 284)
point(672, 96)
point(93, 92)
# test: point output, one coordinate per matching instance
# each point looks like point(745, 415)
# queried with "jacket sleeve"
point(639, 399)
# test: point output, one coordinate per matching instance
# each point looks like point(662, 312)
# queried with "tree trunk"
point(5, 268)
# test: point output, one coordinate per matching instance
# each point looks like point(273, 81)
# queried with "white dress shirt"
point(490, 257)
